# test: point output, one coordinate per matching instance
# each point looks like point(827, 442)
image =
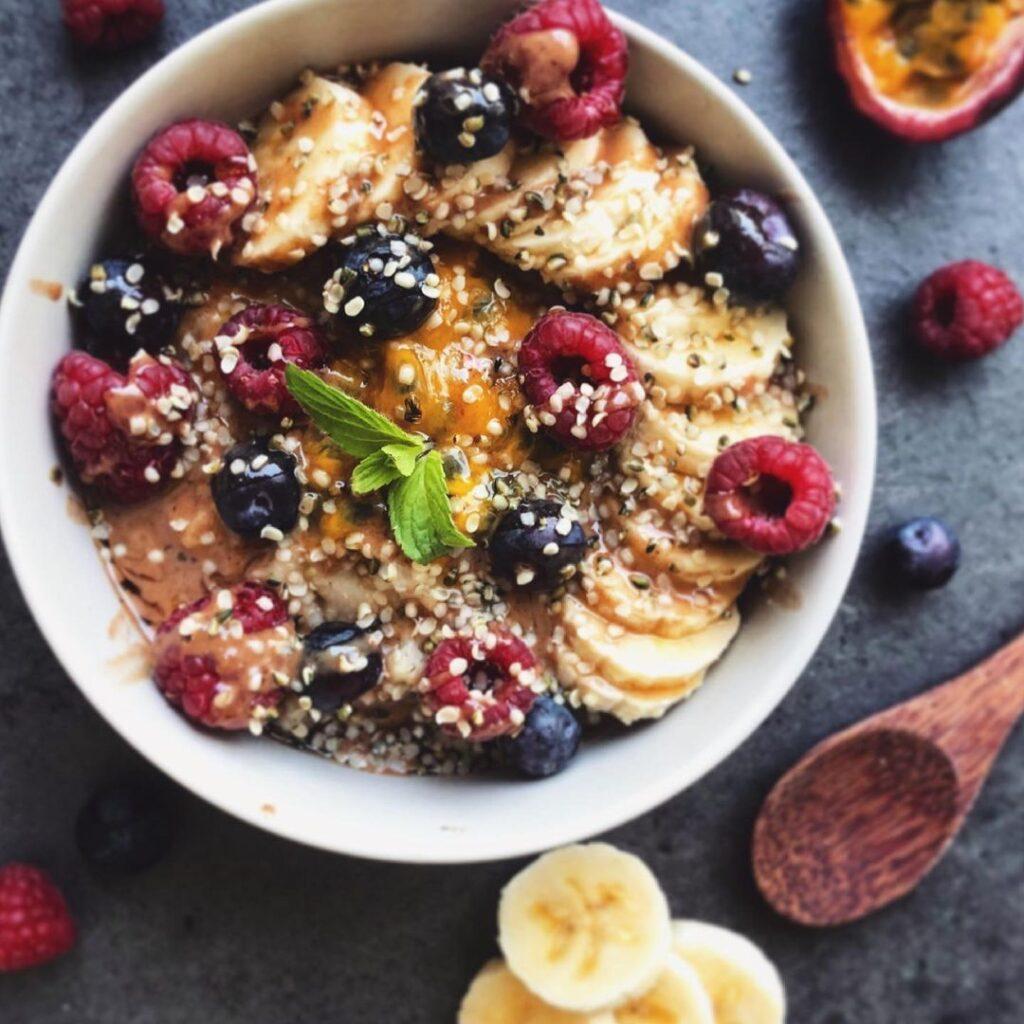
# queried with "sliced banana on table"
point(585, 927)
point(676, 997)
point(743, 984)
point(497, 996)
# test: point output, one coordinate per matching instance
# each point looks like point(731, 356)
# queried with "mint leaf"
point(352, 426)
point(421, 514)
point(390, 463)
point(374, 472)
point(404, 456)
point(418, 505)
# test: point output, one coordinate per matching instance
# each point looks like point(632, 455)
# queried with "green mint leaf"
point(374, 472)
point(383, 467)
point(421, 514)
point(352, 426)
point(404, 456)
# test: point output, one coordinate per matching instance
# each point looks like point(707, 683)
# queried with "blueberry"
point(747, 238)
point(385, 285)
point(338, 666)
point(124, 828)
point(463, 116)
point(257, 489)
point(547, 742)
point(924, 552)
point(126, 306)
point(534, 544)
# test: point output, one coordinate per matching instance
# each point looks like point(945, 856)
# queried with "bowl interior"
point(230, 72)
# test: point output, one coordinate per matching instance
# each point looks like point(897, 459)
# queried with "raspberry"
point(770, 495)
point(480, 689)
point(569, 64)
point(192, 183)
point(966, 310)
point(121, 433)
point(35, 925)
point(112, 24)
point(579, 379)
point(202, 668)
point(157, 402)
point(258, 607)
point(259, 342)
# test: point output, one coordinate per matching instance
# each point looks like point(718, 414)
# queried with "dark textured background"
point(237, 926)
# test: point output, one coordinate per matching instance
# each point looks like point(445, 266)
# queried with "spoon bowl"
point(866, 814)
point(812, 831)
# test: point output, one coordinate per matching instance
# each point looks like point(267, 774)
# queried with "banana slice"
point(610, 208)
point(635, 676)
point(689, 346)
point(660, 605)
point(677, 997)
point(585, 927)
point(690, 441)
point(328, 160)
point(315, 138)
point(744, 986)
point(497, 996)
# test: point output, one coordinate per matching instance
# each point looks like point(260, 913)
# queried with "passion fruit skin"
point(990, 90)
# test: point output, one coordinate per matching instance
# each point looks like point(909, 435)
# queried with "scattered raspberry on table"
point(35, 925)
point(965, 310)
point(112, 24)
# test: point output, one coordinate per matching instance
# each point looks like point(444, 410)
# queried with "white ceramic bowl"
point(229, 72)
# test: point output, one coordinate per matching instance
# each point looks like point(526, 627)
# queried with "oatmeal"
point(457, 438)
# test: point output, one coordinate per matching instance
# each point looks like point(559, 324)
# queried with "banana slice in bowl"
point(585, 927)
point(742, 983)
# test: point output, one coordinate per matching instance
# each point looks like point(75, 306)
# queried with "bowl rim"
point(600, 817)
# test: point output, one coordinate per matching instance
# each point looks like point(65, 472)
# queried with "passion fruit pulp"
point(927, 70)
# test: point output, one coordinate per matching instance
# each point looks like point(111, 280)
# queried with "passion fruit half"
point(927, 70)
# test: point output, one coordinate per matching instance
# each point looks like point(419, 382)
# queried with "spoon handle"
point(971, 716)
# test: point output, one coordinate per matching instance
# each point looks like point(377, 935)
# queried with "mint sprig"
point(354, 427)
point(419, 508)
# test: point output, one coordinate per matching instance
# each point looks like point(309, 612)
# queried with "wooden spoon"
point(867, 813)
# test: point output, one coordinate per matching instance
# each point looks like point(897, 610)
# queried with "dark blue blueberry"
point(126, 306)
point(385, 285)
point(338, 666)
point(924, 553)
point(463, 116)
point(124, 828)
point(547, 742)
point(535, 545)
point(257, 489)
point(747, 238)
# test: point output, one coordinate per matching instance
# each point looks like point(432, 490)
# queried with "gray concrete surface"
point(237, 926)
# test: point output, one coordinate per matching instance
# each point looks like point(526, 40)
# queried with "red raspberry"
point(569, 64)
point(770, 495)
point(480, 689)
point(266, 338)
point(35, 925)
point(208, 675)
point(192, 183)
point(112, 24)
point(121, 438)
point(580, 381)
point(258, 607)
point(966, 310)
point(156, 404)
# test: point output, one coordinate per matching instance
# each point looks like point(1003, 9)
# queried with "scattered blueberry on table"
point(923, 553)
